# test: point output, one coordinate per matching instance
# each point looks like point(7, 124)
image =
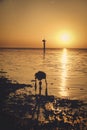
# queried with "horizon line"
point(42, 48)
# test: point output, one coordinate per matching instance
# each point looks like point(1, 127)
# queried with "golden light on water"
point(64, 60)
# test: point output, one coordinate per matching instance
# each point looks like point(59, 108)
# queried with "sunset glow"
point(26, 23)
point(43, 64)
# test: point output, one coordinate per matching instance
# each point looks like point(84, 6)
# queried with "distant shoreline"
point(24, 48)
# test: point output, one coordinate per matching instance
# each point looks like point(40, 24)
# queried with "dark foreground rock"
point(21, 110)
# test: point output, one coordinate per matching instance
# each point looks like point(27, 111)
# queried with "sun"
point(65, 38)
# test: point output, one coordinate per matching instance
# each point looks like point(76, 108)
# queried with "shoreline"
point(25, 111)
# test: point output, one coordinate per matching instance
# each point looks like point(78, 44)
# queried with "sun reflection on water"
point(64, 61)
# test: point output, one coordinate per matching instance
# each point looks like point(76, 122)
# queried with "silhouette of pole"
point(44, 45)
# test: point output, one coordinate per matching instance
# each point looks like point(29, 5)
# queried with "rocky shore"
point(22, 110)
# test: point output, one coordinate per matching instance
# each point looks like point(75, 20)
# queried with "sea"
point(66, 69)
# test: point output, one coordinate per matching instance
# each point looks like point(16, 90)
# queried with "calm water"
point(66, 69)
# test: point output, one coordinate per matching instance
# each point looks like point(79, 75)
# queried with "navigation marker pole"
point(44, 45)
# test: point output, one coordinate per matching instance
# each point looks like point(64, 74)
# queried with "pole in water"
point(44, 45)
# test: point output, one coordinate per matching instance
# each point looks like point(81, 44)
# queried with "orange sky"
point(24, 23)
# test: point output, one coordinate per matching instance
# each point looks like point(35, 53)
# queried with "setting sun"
point(65, 37)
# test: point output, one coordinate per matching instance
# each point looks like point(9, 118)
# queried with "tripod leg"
point(46, 90)
point(40, 87)
point(35, 86)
